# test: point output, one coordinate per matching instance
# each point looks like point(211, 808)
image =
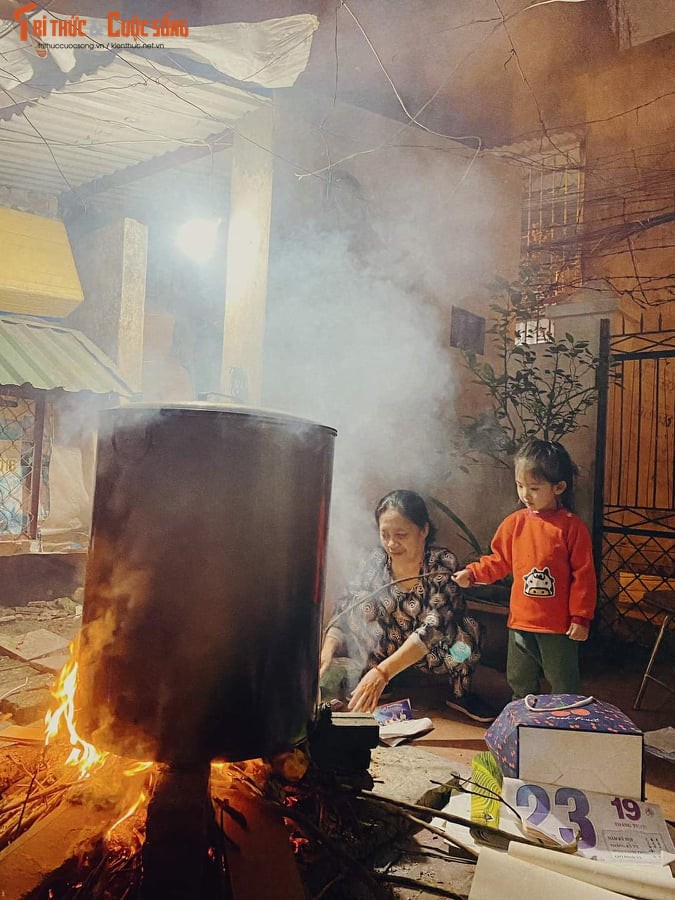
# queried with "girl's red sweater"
point(551, 557)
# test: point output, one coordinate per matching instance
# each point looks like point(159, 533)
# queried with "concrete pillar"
point(112, 262)
point(247, 257)
point(581, 317)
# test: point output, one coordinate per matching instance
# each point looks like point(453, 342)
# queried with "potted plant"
point(538, 385)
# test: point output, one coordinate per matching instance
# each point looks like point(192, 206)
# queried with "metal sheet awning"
point(95, 110)
point(49, 357)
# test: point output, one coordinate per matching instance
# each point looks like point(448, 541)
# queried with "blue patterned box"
point(593, 745)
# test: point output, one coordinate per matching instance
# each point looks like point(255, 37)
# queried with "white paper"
point(611, 828)
point(643, 882)
point(396, 732)
point(502, 877)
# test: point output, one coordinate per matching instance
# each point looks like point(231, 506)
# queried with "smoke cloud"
point(350, 346)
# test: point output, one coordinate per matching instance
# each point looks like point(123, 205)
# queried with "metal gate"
point(634, 515)
point(24, 452)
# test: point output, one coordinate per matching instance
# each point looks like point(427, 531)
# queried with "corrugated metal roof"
point(48, 356)
point(111, 120)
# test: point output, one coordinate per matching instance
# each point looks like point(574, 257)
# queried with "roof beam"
point(74, 201)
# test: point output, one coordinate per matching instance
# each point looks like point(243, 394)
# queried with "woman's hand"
point(368, 691)
point(462, 578)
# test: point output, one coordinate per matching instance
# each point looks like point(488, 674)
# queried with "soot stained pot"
point(204, 584)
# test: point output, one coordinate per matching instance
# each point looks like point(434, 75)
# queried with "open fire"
point(84, 756)
point(250, 812)
point(185, 757)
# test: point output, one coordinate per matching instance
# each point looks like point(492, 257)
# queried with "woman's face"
point(400, 537)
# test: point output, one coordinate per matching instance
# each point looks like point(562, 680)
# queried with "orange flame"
point(138, 767)
point(142, 797)
point(83, 755)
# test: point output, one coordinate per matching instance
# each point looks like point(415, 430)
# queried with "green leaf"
point(531, 390)
point(467, 534)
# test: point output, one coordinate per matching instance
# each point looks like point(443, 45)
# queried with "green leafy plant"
point(538, 389)
point(465, 533)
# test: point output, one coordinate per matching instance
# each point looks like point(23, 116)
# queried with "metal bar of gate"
point(36, 473)
point(634, 525)
point(602, 383)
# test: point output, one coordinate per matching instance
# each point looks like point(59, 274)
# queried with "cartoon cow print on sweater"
point(539, 583)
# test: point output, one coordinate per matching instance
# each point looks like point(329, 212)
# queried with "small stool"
point(664, 602)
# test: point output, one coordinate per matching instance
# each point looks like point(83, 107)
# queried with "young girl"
point(548, 549)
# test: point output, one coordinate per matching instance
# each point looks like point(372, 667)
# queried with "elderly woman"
point(404, 610)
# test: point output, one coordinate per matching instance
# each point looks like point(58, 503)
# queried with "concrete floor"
point(609, 673)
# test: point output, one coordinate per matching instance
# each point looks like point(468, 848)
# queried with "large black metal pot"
point(204, 585)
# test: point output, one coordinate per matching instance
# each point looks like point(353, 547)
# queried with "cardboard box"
point(594, 747)
point(39, 276)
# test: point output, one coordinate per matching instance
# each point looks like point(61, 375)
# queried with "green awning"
point(48, 357)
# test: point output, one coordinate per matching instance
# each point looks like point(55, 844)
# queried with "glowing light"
point(298, 841)
point(83, 755)
point(198, 238)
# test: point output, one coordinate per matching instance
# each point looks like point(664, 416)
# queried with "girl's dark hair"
point(410, 505)
point(549, 461)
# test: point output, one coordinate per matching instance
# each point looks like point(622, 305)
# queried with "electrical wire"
point(546, 2)
point(422, 576)
point(412, 119)
point(505, 18)
point(50, 151)
point(501, 22)
point(14, 25)
point(161, 84)
point(524, 77)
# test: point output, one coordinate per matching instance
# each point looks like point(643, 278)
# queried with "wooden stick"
point(497, 833)
point(429, 827)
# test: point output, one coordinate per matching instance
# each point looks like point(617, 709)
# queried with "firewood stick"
point(39, 796)
point(422, 823)
point(497, 833)
point(24, 824)
point(333, 846)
